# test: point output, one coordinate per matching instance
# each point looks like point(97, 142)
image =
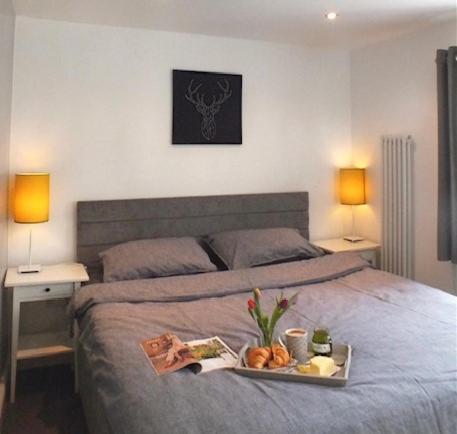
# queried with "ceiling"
point(360, 22)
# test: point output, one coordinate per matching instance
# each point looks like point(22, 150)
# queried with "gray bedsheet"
point(402, 379)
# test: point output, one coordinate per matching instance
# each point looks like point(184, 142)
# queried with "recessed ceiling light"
point(331, 16)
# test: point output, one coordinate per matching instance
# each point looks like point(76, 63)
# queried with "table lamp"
point(31, 205)
point(352, 192)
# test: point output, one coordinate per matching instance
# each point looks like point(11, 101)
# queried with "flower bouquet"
point(269, 352)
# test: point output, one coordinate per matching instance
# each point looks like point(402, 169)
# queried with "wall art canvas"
point(206, 108)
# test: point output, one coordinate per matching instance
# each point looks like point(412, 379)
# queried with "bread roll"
point(280, 357)
point(258, 357)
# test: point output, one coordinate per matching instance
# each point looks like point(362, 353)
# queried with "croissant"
point(258, 357)
point(280, 357)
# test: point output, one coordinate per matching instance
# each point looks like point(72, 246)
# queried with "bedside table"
point(368, 249)
point(51, 283)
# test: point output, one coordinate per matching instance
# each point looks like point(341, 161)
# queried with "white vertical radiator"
point(397, 222)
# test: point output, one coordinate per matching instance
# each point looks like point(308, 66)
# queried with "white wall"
point(394, 92)
point(92, 105)
point(6, 72)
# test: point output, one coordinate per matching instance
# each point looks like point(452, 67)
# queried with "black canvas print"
point(206, 108)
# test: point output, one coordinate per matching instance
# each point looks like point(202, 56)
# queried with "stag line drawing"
point(208, 111)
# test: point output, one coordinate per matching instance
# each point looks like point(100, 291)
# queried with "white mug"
point(296, 342)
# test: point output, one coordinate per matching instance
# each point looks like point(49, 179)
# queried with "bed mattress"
point(403, 335)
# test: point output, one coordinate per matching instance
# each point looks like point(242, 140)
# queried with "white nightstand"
point(367, 249)
point(51, 283)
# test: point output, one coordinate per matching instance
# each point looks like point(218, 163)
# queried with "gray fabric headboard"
point(105, 223)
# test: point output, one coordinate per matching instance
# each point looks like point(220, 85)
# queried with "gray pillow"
point(157, 257)
point(252, 247)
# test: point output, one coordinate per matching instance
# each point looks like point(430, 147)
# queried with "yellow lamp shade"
point(352, 186)
point(31, 198)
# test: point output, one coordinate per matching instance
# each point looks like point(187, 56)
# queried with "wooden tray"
point(341, 355)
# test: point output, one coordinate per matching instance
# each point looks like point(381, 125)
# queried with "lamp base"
point(353, 238)
point(28, 269)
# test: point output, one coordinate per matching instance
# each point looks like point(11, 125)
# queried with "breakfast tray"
point(341, 354)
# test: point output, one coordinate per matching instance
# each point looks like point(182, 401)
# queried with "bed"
point(403, 334)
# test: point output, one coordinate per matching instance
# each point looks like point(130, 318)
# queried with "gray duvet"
point(403, 334)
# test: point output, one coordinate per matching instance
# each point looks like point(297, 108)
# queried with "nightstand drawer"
point(44, 292)
point(369, 255)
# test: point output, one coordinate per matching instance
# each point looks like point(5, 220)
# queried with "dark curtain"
point(446, 61)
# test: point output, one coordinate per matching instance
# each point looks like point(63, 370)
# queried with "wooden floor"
point(45, 404)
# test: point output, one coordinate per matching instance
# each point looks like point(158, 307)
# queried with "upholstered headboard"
point(105, 223)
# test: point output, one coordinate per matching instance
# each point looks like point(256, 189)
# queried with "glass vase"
point(267, 338)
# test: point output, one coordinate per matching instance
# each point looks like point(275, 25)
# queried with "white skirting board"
point(397, 254)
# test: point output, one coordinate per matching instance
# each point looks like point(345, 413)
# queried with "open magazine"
point(167, 353)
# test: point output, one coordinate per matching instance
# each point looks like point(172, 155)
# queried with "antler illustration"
point(226, 95)
point(191, 92)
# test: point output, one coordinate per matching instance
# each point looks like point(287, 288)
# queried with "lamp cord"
point(353, 221)
point(30, 247)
